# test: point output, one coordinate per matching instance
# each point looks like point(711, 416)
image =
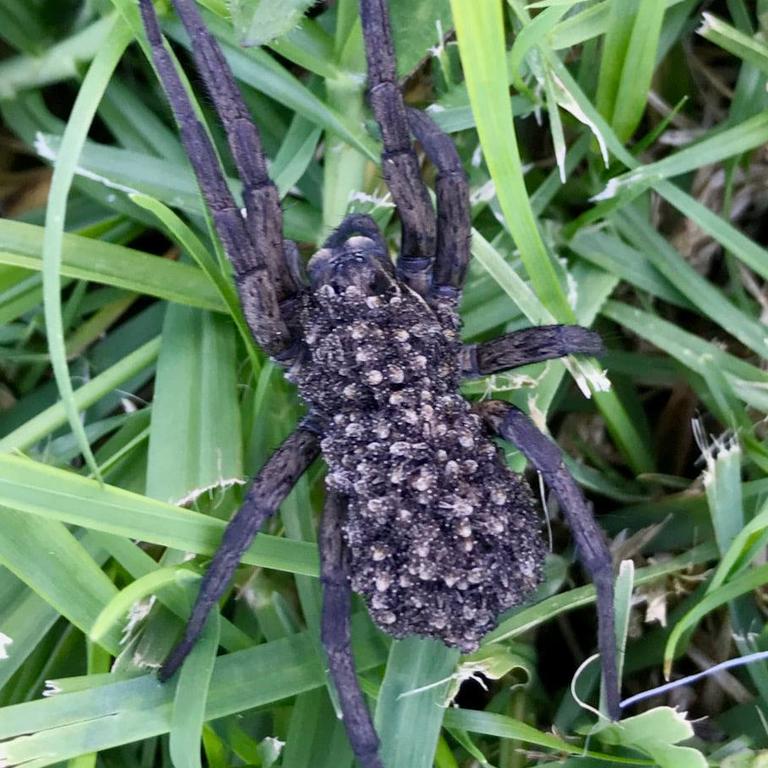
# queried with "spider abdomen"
point(442, 536)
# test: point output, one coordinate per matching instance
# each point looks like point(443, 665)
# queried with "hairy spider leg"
point(454, 224)
point(399, 164)
point(513, 425)
point(336, 638)
point(262, 201)
point(265, 495)
point(530, 345)
point(257, 292)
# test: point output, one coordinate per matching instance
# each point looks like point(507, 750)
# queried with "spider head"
point(360, 260)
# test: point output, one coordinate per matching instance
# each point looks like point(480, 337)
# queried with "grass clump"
point(616, 156)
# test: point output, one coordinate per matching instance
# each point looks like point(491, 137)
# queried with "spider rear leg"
point(252, 264)
point(337, 597)
point(531, 345)
point(268, 490)
point(399, 164)
point(454, 225)
point(513, 425)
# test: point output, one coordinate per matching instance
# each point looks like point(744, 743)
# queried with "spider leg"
point(337, 597)
point(513, 425)
point(269, 488)
point(252, 263)
point(262, 202)
point(531, 345)
point(454, 225)
point(399, 164)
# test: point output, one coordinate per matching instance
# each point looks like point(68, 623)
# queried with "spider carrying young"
point(422, 517)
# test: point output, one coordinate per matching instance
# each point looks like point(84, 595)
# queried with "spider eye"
point(358, 262)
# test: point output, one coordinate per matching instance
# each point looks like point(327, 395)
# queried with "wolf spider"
point(422, 517)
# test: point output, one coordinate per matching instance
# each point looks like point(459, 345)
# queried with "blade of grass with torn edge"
point(83, 111)
point(722, 484)
point(111, 712)
point(749, 49)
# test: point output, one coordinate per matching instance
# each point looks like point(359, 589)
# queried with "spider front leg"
point(513, 425)
point(337, 598)
point(454, 223)
point(399, 164)
point(256, 248)
point(262, 202)
point(531, 345)
point(265, 495)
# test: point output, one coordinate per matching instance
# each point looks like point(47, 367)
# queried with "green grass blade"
point(109, 264)
point(55, 416)
point(410, 707)
point(115, 612)
point(621, 18)
point(480, 31)
point(25, 618)
point(54, 494)
point(68, 579)
point(59, 62)
point(195, 444)
point(316, 737)
point(83, 111)
point(722, 484)
point(749, 49)
point(120, 712)
point(630, 58)
point(747, 543)
point(622, 606)
point(740, 585)
point(189, 699)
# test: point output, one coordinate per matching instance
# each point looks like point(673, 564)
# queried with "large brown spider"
point(422, 517)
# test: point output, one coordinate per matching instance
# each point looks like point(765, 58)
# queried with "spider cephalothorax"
point(422, 516)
